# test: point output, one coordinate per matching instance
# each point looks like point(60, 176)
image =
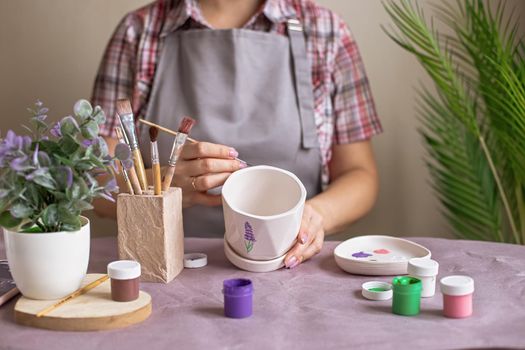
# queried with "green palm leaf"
point(473, 126)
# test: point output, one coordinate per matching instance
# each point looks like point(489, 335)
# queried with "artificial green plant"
point(473, 124)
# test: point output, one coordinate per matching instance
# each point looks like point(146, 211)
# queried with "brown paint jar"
point(125, 275)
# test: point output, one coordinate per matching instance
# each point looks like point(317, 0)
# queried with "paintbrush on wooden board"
point(155, 163)
point(129, 172)
point(125, 114)
point(184, 129)
point(73, 295)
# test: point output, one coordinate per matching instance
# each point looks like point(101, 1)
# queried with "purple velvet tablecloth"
point(315, 306)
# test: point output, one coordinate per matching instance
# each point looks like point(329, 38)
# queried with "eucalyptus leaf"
point(50, 216)
point(50, 147)
point(69, 144)
point(21, 211)
point(82, 109)
point(31, 229)
point(82, 205)
point(85, 165)
point(45, 181)
point(90, 130)
point(69, 126)
point(72, 227)
point(8, 221)
point(98, 115)
point(103, 147)
point(66, 216)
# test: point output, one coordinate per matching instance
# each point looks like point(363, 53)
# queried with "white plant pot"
point(48, 266)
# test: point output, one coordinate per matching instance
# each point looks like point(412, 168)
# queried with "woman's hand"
point(310, 239)
point(202, 166)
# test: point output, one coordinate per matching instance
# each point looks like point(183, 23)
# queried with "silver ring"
point(193, 183)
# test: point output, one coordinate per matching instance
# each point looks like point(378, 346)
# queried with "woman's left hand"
point(310, 239)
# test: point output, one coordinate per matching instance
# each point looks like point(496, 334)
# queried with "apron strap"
point(303, 83)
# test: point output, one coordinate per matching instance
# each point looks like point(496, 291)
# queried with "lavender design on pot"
point(249, 237)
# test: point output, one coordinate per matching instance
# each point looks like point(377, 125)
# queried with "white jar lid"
point(423, 267)
point(376, 290)
point(124, 269)
point(457, 285)
point(195, 260)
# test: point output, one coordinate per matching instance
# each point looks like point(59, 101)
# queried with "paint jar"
point(376, 290)
point(457, 296)
point(238, 295)
point(425, 270)
point(124, 276)
point(407, 295)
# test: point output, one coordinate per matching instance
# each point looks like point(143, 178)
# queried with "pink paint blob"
point(382, 251)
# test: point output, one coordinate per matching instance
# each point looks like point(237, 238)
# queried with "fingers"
point(207, 150)
point(202, 166)
point(207, 182)
point(309, 241)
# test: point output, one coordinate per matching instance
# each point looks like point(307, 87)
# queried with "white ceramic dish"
point(377, 255)
point(252, 265)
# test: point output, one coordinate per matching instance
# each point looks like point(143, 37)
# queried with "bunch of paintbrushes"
point(135, 175)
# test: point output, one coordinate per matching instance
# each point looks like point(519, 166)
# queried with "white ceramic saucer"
point(252, 265)
point(377, 255)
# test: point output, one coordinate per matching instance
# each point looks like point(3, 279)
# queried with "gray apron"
point(247, 89)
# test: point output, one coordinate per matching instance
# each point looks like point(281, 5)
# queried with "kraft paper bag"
point(150, 231)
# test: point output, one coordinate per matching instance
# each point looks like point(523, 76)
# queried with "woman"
point(276, 82)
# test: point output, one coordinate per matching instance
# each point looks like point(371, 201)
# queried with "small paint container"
point(457, 296)
point(425, 270)
point(407, 296)
point(238, 298)
point(124, 276)
point(376, 290)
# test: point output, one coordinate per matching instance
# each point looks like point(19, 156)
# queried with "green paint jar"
point(407, 296)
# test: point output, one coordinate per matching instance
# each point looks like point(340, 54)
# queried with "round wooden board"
point(92, 311)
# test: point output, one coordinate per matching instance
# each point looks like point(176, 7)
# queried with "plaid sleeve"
point(355, 114)
point(117, 71)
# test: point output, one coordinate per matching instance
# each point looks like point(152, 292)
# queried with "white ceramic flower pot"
point(263, 207)
point(48, 266)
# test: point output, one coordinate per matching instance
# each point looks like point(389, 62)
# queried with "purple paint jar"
point(238, 295)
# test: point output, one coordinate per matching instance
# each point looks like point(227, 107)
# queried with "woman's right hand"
point(202, 166)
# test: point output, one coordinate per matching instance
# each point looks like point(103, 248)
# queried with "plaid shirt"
point(344, 108)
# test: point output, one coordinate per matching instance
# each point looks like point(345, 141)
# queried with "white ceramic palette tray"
point(377, 255)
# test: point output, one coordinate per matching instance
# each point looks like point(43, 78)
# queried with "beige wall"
point(50, 50)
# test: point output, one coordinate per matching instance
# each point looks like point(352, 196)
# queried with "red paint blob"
point(382, 251)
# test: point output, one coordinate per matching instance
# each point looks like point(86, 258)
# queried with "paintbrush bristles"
point(186, 124)
point(124, 107)
point(153, 133)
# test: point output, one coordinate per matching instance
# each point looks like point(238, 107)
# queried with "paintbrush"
point(127, 121)
point(130, 172)
point(124, 170)
point(175, 133)
point(184, 129)
point(155, 164)
point(73, 295)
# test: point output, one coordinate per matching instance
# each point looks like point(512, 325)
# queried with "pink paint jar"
point(457, 296)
